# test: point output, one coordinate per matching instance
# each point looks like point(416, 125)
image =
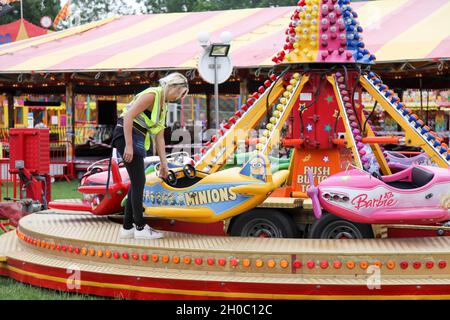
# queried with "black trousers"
point(136, 171)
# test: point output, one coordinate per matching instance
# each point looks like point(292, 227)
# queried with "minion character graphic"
point(152, 197)
point(180, 200)
point(171, 199)
point(258, 169)
point(165, 197)
point(146, 195)
point(158, 198)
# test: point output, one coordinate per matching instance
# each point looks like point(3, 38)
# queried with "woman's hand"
point(128, 153)
point(163, 170)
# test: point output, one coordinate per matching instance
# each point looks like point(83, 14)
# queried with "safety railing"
point(62, 160)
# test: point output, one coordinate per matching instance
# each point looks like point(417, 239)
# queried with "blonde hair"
point(173, 79)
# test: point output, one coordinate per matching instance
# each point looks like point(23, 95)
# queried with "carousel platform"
point(83, 253)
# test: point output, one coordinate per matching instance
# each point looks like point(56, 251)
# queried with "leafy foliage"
point(33, 11)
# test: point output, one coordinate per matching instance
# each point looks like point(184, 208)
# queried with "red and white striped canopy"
point(394, 30)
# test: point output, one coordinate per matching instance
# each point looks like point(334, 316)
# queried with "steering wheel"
point(98, 164)
point(95, 170)
point(171, 179)
point(178, 158)
point(189, 171)
point(376, 175)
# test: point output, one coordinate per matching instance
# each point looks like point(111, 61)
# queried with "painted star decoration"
point(302, 107)
point(327, 128)
point(329, 99)
point(309, 127)
point(336, 114)
point(326, 159)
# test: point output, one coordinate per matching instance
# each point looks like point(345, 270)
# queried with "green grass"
point(65, 190)
point(14, 290)
point(60, 190)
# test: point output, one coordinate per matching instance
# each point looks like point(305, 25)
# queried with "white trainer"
point(126, 234)
point(147, 233)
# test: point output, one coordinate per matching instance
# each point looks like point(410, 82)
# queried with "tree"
point(157, 6)
point(89, 10)
point(85, 11)
point(33, 11)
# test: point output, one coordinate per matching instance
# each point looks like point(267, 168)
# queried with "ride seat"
point(419, 178)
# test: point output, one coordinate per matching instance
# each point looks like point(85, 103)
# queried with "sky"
point(131, 3)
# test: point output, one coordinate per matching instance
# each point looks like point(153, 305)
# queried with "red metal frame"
point(133, 287)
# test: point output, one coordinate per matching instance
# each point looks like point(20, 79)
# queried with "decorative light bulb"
point(226, 37)
point(203, 38)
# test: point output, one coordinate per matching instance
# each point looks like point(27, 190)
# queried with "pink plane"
point(416, 195)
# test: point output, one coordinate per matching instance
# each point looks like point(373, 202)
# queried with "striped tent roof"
point(394, 30)
point(19, 30)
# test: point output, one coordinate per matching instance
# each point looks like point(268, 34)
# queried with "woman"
point(144, 116)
